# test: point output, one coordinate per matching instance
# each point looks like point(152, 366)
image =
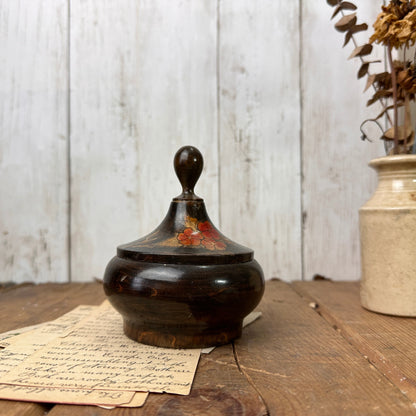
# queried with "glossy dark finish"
point(188, 163)
point(160, 246)
point(185, 285)
point(181, 306)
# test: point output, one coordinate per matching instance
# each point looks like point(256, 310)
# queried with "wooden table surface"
point(315, 351)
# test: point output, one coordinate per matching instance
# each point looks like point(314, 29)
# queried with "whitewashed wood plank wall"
point(97, 96)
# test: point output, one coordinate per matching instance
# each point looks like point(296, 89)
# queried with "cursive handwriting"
point(97, 355)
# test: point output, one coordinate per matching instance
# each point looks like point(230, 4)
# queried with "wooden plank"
point(336, 179)
point(259, 131)
point(27, 305)
point(300, 365)
point(219, 389)
point(33, 145)
point(218, 384)
point(30, 304)
point(143, 83)
point(388, 342)
point(9, 408)
point(297, 362)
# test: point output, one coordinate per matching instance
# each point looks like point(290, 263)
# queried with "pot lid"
point(186, 235)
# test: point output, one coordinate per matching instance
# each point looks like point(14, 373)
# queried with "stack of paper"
point(83, 357)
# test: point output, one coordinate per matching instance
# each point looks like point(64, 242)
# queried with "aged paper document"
point(23, 342)
point(22, 346)
point(72, 396)
point(5, 337)
point(47, 330)
point(84, 357)
point(97, 355)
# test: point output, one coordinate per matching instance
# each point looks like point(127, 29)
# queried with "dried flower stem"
point(382, 103)
point(395, 28)
point(395, 109)
point(363, 134)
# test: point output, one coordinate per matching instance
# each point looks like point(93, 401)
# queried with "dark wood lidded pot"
point(185, 285)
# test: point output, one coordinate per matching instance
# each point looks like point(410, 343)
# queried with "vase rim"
point(392, 160)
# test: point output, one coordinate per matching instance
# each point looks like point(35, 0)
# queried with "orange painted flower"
point(208, 244)
point(189, 237)
point(220, 245)
point(208, 231)
point(201, 234)
point(211, 244)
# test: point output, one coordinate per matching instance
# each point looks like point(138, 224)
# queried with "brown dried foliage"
point(395, 27)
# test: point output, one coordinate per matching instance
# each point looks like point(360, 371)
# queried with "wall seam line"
point(301, 137)
point(68, 149)
point(218, 92)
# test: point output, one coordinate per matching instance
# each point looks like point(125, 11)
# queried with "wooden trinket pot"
point(185, 285)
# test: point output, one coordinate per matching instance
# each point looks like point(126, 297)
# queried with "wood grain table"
point(314, 351)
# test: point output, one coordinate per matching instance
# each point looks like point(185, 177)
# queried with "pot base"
point(174, 337)
point(384, 311)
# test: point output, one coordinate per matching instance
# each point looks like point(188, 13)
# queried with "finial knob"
point(188, 163)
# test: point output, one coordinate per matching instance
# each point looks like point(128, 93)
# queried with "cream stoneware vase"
point(388, 239)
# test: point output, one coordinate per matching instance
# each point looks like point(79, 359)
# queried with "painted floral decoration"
point(201, 233)
point(189, 237)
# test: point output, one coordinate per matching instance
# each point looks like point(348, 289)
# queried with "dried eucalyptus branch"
point(363, 133)
point(348, 24)
point(395, 108)
point(395, 27)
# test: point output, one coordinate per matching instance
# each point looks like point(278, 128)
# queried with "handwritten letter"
point(97, 355)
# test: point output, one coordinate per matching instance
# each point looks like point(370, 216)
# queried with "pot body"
point(184, 285)
point(183, 306)
point(388, 239)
